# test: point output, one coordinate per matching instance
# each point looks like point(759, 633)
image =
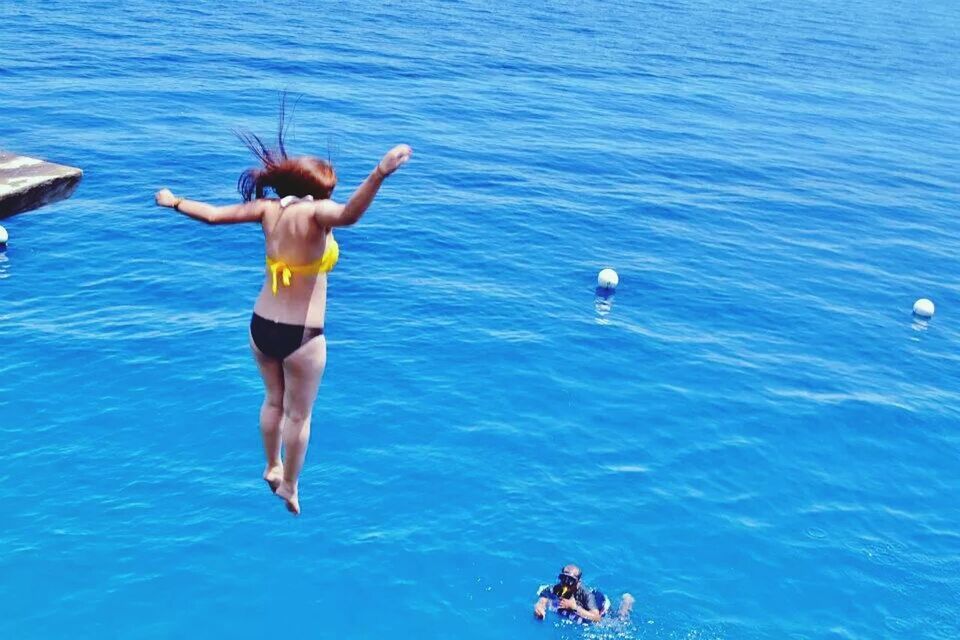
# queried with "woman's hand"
point(165, 198)
point(392, 160)
point(568, 603)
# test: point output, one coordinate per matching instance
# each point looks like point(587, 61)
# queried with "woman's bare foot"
point(626, 605)
point(273, 476)
point(290, 497)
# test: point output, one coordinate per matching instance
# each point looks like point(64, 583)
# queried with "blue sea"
point(753, 436)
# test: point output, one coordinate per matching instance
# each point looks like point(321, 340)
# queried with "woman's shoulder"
point(267, 203)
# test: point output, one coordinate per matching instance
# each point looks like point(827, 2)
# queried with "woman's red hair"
point(301, 176)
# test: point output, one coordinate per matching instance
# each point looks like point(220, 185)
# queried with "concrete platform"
point(28, 183)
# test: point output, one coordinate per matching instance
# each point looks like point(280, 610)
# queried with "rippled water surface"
point(753, 436)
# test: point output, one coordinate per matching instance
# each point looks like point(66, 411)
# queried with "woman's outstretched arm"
point(244, 212)
point(330, 214)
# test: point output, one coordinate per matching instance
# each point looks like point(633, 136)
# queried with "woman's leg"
point(271, 412)
point(302, 371)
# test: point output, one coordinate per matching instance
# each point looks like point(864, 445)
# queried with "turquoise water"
point(753, 436)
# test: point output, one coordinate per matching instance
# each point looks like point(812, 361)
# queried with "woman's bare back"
point(293, 236)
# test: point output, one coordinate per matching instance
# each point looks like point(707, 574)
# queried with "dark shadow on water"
point(603, 304)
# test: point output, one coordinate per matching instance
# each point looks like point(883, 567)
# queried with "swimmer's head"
point(285, 176)
point(568, 581)
point(573, 571)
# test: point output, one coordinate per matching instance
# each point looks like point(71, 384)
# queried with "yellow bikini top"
point(280, 271)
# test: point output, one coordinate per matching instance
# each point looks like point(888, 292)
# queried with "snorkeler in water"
point(287, 325)
point(575, 601)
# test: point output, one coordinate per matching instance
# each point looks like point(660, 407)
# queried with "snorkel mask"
point(566, 586)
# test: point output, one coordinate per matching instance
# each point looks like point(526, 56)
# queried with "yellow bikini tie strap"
point(279, 266)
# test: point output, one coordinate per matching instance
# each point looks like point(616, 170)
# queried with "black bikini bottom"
point(277, 339)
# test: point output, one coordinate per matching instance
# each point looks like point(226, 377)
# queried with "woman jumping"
point(286, 329)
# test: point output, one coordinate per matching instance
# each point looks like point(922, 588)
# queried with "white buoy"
point(923, 308)
point(608, 279)
point(3, 237)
